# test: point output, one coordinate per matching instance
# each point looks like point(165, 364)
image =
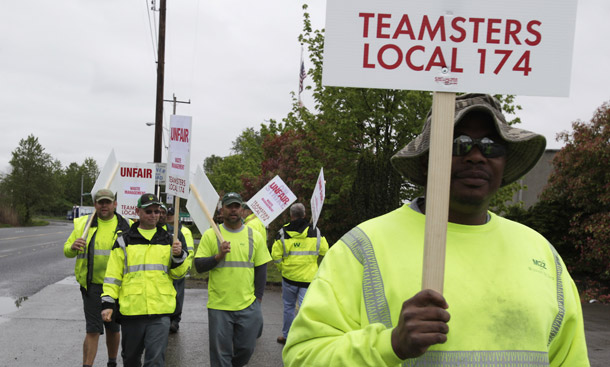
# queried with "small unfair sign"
point(271, 200)
point(134, 179)
point(317, 198)
point(178, 160)
point(515, 47)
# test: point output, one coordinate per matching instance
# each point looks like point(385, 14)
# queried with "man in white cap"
point(92, 256)
point(508, 298)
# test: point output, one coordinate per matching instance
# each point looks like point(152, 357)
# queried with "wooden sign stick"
point(437, 190)
point(86, 230)
point(176, 217)
point(207, 213)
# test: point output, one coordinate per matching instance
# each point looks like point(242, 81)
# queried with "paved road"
point(48, 330)
point(32, 258)
point(42, 323)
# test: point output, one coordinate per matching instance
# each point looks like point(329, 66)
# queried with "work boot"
point(173, 327)
point(281, 340)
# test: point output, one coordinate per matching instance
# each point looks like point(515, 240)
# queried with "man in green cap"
point(138, 285)
point(238, 272)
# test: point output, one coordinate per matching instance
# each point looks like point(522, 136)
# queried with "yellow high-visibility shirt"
point(231, 282)
point(511, 299)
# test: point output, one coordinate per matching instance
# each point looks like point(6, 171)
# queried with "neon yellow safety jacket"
point(188, 244)
point(253, 221)
point(296, 249)
point(140, 274)
point(511, 299)
point(95, 256)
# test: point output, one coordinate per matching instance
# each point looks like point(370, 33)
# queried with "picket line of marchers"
point(135, 179)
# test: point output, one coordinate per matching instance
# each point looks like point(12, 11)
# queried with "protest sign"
point(513, 47)
point(517, 47)
point(202, 201)
point(317, 198)
point(271, 200)
point(160, 173)
point(135, 179)
point(105, 180)
point(179, 153)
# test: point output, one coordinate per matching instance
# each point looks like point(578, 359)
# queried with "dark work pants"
point(148, 335)
point(179, 286)
point(233, 335)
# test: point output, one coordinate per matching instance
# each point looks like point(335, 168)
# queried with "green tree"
point(353, 133)
point(581, 180)
point(74, 174)
point(32, 183)
point(228, 173)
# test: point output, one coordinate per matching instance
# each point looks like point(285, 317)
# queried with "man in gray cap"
point(92, 256)
point(511, 299)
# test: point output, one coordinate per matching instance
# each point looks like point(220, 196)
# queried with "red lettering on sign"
point(513, 27)
point(180, 134)
point(381, 25)
point(493, 29)
point(535, 33)
point(136, 172)
point(457, 27)
point(437, 59)
point(404, 27)
point(426, 27)
point(365, 29)
point(450, 30)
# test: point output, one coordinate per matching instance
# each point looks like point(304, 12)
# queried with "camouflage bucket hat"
point(524, 148)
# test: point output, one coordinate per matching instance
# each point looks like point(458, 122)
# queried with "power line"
point(152, 38)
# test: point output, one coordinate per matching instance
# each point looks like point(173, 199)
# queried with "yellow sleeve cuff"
point(384, 347)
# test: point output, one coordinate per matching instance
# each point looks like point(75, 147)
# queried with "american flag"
point(302, 76)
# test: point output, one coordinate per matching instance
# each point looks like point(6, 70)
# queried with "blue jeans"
point(290, 293)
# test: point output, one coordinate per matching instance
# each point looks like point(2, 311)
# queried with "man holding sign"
point(508, 297)
point(238, 273)
point(92, 256)
point(138, 285)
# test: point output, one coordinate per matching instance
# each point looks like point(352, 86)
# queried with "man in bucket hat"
point(508, 299)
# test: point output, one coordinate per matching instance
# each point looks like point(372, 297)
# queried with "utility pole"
point(82, 178)
point(160, 78)
point(174, 101)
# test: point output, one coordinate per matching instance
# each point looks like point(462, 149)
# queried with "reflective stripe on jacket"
point(295, 252)
point(511, 299)
point(83, 267)
point(140, 274)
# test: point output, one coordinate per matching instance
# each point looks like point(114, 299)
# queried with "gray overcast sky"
point(81, 75)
